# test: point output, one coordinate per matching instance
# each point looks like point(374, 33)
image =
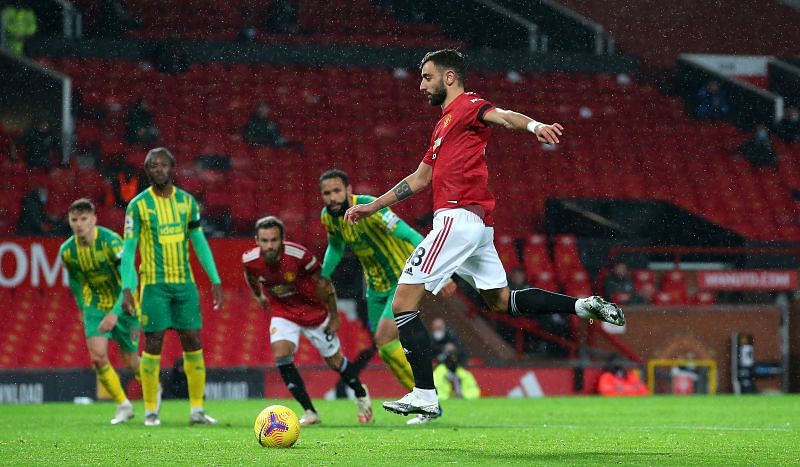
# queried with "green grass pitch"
point(721, 430)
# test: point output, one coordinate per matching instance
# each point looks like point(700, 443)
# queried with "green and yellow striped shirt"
point(95, 268)
point(162, 227)
point(381, 253)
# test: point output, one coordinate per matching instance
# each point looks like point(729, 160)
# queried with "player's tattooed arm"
point(402, 190)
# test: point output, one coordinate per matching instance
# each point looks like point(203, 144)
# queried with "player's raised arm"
point(519, 122)
point(415, 182)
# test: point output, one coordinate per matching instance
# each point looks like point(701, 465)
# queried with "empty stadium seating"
point(46, 331)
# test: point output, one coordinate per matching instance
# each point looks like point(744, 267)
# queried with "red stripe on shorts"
point(427, 266)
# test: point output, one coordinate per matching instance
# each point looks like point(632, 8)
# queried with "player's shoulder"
point(472, 100)
point(251, 255)
point(294, 250)
point(107, 234)
point(66, 245)
point(141, 197)
point(364, 199)
point(183, 193)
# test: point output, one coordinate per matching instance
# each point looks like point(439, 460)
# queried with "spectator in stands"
point(33, 219)
point(441, 336)
point(282, 17)
point(170, 57)
point(615, 380)
point(452, 379)
point(113, 21)
point(126, 183)
point(789, 126)
point(40, 144)
point(517, 279)
point(712, 102)
point(18, 24)
point(618, 285)
point(758, 150)
point(139, 125)
point(262, 131)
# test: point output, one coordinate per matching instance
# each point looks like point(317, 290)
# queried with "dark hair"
point(335, 173)
point(447, 59)
point(82, 205)
point(151, 153)
point(269, 222)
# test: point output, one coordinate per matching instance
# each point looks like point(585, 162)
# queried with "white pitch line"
point(676, 427)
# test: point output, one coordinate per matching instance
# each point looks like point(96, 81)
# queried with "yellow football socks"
point(110, 380)
point(195, 368)
point(149, 370)
point(392, 353)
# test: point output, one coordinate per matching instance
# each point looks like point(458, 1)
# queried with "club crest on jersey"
point(289, 276)
point(447, 119)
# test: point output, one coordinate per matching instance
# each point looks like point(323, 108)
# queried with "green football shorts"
point(379, 306)
point(170, 306)
point(125, 333)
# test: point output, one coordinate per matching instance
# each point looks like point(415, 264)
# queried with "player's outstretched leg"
point(537, 301)
point(294, 383)
point(416, 342)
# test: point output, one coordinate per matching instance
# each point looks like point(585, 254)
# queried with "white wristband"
point(533, 125)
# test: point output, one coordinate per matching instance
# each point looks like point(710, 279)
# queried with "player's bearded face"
point(159, 171)
point(271, 244)
point(337, 208)
point(437, 95)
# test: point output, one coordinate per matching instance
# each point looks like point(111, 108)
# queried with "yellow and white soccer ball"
point(277, 427)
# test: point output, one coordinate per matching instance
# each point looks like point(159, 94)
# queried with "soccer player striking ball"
point(166, 218)
point(300, 300)
point(462, 239)
point(92, 258)
point(382, 243)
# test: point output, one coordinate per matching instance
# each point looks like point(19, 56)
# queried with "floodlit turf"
point(721, 430)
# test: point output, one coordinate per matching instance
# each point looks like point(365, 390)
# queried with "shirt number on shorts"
point(416, 258)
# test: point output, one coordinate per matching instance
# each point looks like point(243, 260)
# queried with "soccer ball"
point(277, 427)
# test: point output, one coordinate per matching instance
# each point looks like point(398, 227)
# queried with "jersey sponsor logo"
point(170, 233)
point(283, 290)
point(447, 119)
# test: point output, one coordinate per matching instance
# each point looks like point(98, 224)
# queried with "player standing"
point(300, 301)
point(462, 239)
point(382, 243)
point(166, 218)
point(92, 257)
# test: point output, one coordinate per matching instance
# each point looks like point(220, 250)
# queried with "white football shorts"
point(460, 243)
point(281, 329)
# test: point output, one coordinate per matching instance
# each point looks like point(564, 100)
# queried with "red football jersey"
point(288, 284)
point(457, 154)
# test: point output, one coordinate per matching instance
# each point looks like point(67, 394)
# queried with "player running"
point(166, 218)
point(462, 239)
point(300, 301)
point(382, 243)
point(92, 258)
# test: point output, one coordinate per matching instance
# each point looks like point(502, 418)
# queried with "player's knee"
point(99, 360)
point(498, 306)
point(283, 360)
point(334, 361)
